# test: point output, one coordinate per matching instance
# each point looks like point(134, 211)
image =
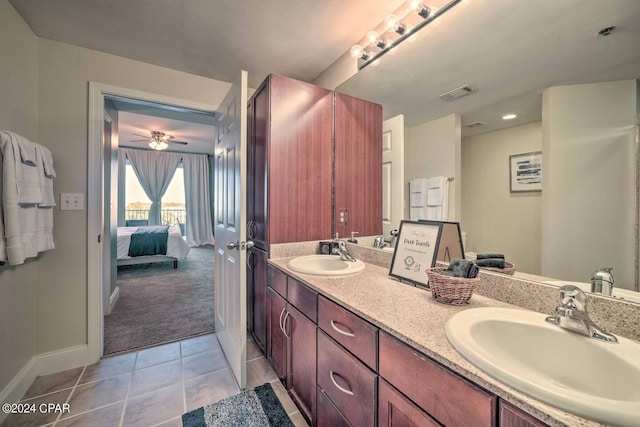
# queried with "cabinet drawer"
point(277, 280)
point(303, 298)
point(328, 415)
point(355, 334)
point(447, 397)
point(349, 384)
point(510, 416)
point(395, 410)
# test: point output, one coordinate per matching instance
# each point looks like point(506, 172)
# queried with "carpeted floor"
point(160, 304)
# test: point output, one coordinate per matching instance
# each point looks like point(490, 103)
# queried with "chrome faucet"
point(340, 248)
point(379, 242)
point(602, 281)
point(573, 315)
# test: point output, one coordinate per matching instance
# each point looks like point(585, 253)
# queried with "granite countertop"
point(411, 315)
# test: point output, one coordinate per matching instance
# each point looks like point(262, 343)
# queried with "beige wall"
point(64, 73)
point(495, 219)
point(433, 149)
point(18, 113)
point(44, 86)
point(588, 203)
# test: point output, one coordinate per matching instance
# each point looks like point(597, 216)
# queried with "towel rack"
point(451, 178)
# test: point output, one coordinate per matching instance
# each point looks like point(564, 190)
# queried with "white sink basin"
point(590, 378)
point(324, 265)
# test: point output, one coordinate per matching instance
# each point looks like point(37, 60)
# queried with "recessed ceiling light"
point(509, 116)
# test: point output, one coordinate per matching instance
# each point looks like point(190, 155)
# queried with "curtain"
point(154, 170)
point(122, 185)
point(196, 194)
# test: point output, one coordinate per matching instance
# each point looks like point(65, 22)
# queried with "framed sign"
point(450, 246)
point(416, 250)
point(525, 172)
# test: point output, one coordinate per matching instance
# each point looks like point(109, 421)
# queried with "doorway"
point(98, 219)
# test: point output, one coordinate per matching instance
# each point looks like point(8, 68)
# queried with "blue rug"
point(258, 407)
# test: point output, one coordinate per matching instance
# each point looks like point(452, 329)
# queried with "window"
point(137, 203)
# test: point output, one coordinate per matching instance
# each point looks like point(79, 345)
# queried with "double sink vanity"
point(354, 346)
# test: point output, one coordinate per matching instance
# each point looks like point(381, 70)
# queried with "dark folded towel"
point(487, 256)
point(491, 262)
point(462, 268)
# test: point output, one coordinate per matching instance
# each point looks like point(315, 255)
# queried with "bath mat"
point(257, 407)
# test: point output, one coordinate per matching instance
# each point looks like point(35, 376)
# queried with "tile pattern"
point(151, 387)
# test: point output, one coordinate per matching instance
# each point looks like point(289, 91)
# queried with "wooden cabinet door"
point(395, 410)
point(258, 274)
point(358, 166)
point(300, 157)
point(276, 340)
point(301, 375)
point(258, 132)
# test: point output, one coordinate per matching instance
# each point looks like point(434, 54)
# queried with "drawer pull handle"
point(338, 386)
point(341, 331)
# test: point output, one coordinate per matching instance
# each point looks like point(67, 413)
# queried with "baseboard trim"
point(42, 364)
point(114, 298)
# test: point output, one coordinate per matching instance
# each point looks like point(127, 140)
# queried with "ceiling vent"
point(474, 125)
point(454, 94)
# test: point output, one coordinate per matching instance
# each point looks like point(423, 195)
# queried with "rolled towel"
point(462, 268)
point(491, 262)
point(487, 256)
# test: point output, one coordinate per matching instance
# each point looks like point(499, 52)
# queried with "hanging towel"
point(418, 199)
point(45, 163)
point(26, 173)
point(438, 198)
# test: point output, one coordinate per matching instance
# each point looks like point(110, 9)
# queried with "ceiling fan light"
point(153, 145)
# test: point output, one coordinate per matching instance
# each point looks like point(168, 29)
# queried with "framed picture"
point(416, 250)
point(525, 172)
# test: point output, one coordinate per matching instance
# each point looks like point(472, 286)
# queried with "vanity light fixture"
point(509, 116)
point(401, 25)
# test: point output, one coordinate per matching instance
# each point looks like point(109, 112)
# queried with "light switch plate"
point(71, 201)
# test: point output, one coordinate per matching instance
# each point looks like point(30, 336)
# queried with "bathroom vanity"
point(367, 350)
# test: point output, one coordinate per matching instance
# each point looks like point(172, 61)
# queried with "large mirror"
point(573, 87)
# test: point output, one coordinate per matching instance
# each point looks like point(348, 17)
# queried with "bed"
point(176, 248)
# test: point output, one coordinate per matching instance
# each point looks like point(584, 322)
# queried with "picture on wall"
point(525, 172)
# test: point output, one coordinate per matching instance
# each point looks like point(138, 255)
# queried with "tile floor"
point(151, 387)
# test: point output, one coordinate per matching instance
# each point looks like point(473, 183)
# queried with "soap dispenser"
point(602, 281)
point(353, 239)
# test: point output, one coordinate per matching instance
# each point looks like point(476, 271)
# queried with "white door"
point(230, 229)
point(393, 188)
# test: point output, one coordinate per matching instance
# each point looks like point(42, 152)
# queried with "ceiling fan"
point(158, 140)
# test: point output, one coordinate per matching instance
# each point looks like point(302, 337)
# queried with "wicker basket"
point(509, 269)
point(448, 289)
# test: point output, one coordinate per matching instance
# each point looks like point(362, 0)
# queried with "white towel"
point(438, 199)
point(45, 179)
point(11, 247)
point(26, 174)
point(47, 159)
point(418, 193)
point(435, 190)
point(44, 231)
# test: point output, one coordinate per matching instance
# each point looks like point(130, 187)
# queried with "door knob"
point(233, 245)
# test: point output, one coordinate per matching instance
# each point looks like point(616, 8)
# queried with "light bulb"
point(153, 144)
point(509, 116)
point(413, 4)
point(372, 37)
point(392, 22)
point(356, 51)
